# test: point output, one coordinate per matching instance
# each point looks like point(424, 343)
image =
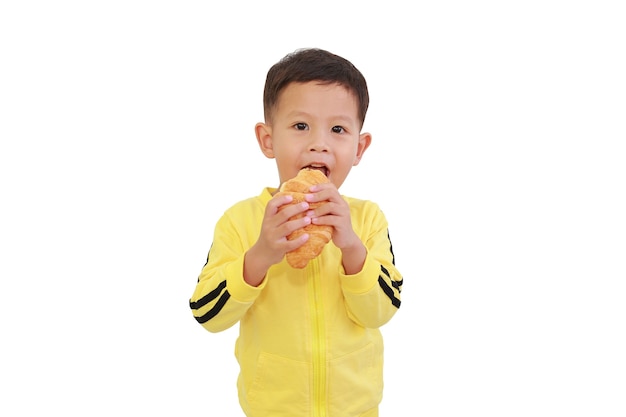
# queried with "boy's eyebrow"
point(296, 113)
point(338, 117)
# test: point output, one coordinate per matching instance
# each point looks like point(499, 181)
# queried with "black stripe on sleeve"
point(397, 285)
point(393, 257)
point(388, 291)
point(208, 254)
point(382, 268)
point(208, 298)
point(216, 308)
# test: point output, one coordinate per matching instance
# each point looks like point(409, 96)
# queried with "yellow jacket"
point(308, 343)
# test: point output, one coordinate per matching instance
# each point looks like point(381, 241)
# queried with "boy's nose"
point(319, 143)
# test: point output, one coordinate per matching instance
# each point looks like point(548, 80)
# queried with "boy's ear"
point(365, 139)
point(264, 137)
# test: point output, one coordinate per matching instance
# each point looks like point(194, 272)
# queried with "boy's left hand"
point(335, 212)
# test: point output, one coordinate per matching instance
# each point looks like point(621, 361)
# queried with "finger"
point(320, 187)
point(296, 243)
point(319, 196)
point(289, 211)
point(279, 200)
point(325, 192)
point(327, 220)
point(326, 208)
point(293, 225)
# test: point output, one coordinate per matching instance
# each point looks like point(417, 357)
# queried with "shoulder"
point(365, 211)
point(243, 204)
point(361, 205)
point(244, 213)
point(251, 204)
point(243, 210)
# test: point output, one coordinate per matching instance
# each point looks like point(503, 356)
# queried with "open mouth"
point(323, 169)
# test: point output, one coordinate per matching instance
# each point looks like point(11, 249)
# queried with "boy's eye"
point(300, 126)
point(337, 129)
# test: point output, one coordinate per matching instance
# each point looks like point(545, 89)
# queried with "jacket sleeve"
point(221, 296)
point(372, 296)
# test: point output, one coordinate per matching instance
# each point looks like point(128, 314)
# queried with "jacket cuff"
point(363, 281)
point(239, 289)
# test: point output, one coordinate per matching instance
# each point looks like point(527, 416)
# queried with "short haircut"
point(313, 64)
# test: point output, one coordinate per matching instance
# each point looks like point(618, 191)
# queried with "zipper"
point(318, 329)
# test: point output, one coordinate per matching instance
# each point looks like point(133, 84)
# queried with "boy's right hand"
point(272, 244)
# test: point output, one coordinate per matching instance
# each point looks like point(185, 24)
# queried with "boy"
point(309, 343)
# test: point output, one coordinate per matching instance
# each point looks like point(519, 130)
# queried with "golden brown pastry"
point(319, 235)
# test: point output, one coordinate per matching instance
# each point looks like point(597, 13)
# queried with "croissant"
point(319, 235)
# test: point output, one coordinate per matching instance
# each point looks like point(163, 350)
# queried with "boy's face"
point(314, 125)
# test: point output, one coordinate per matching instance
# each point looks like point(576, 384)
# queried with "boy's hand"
point(336, 212)
point(272, 244)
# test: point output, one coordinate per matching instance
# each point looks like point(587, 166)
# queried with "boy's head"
point(315, 104)
point(314, 64)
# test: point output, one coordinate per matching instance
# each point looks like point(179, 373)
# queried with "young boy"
point(309, 342)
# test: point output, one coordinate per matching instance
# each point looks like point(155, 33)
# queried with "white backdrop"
point(126, 130)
